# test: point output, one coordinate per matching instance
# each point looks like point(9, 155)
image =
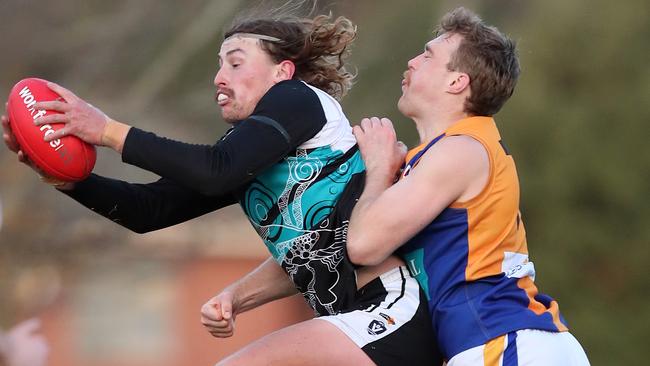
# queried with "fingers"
point(51, 134)
point(8, 136)
point(222, 329)
point(52, 105)
point(211, 311)
point(226, 310)
point(376, 122)
point(215, 324)
point(219, 328)
point(222, 332)
point(374, 127)
point(217, 316)
point(402, 148)
point(55, 135)
point(10, 139)
point(381, 153)
point(370, 123)
point(227, 334)
point(67, 95)
point(52, 118)
point(23, 158)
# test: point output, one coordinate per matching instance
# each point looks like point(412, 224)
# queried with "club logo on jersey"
point(388, 318)
point(376, 327)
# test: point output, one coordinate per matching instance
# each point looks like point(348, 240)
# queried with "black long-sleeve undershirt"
point(285, 117)
point(145, 207)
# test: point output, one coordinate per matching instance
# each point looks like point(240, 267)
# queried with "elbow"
point(361, 253)
point(131, 224)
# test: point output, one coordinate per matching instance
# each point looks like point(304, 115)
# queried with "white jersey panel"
point(337, 132)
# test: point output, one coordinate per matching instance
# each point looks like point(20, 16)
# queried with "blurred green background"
point(575, 126)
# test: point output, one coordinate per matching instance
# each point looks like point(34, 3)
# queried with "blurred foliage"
point(575, 126)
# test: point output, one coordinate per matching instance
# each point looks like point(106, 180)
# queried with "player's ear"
point(458, 83)
point(285, 70)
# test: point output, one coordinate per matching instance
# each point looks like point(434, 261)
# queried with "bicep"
point(209, 169)
point(443, 175)
point(410, 205)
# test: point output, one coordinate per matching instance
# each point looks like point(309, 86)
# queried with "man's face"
point(427, 79)
point(246, 73)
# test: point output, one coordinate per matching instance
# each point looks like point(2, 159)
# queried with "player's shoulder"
point(457, 152)
point(457, 145)
point(295, 91)
point(461, 143)
point(290, 99)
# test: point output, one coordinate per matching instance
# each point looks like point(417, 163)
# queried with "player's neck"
point(433, 125)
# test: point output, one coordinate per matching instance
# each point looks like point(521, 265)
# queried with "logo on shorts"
point(376, 327)
point(388, 318)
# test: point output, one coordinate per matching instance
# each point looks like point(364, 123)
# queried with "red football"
point(69, 158)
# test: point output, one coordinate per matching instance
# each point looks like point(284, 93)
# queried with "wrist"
point(67, 186)
point(380, 178)
point(114, 134)
point(231, 291)
point(58, 184)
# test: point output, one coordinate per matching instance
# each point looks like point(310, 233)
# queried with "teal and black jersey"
point(300, 208)
point(294, 167)
point(301, 205)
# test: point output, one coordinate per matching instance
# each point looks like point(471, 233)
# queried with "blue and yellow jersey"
point(472, 259)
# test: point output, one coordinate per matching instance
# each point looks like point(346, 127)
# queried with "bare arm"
point(386, 215)
point(264, 284)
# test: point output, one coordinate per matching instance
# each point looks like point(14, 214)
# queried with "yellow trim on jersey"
point(493, 351)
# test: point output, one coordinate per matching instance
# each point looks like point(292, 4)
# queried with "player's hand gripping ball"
point(67, 159)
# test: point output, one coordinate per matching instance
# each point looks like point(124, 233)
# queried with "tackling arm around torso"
point(386, 216)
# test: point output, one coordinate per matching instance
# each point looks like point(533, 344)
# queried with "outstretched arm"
point(288, 115)
point(138, 207)
point(264, 284)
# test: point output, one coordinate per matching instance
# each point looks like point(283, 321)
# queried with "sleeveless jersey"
point(301, 206)
point(472, 259)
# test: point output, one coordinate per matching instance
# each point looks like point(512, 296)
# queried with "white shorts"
point(526, 347)
point(385, 305)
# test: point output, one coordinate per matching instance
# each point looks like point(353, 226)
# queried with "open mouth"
point(404, 84)
point(222, 98)
point(405, 77)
